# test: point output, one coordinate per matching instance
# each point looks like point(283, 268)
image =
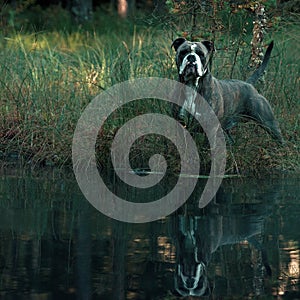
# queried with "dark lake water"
point(55, 245)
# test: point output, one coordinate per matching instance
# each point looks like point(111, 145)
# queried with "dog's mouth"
point(190, 71)
point(191, 67)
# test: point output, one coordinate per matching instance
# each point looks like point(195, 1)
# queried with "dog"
point(231, 100)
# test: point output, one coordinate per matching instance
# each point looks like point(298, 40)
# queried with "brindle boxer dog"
point(231, 100)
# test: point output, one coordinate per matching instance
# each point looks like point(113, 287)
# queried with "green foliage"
point(218, 17)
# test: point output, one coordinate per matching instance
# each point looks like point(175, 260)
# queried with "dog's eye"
point(200, 54)
point(184, 52)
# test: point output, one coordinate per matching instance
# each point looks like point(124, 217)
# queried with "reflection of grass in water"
point(47, 79)
point(31, 200)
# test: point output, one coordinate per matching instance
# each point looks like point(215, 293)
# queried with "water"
point(55, 245)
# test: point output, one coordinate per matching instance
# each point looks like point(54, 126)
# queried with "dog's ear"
point(209, 45)
point(176, 43)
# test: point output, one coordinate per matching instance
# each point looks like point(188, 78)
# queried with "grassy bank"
point(48, 78)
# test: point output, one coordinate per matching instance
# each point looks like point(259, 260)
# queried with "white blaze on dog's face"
point(192, 59)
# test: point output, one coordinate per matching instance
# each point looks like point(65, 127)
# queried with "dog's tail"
point(260, 71)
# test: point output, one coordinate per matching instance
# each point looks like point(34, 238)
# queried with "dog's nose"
point(190, 282)
point(191, 59)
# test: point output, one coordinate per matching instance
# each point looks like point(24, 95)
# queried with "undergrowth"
point(49, 77)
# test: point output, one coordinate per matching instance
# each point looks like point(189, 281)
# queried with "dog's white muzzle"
point(192, 59)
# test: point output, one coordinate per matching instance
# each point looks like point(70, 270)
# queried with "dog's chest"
point(209, 90)
point(190, 98)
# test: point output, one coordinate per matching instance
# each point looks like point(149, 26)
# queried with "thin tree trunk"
point(122, 8)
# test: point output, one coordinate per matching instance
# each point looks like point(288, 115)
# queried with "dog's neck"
point(192, 87)
point(200, 84)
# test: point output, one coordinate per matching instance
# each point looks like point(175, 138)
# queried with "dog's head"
point(191, 279)
point(192, 258)
point(192, 58)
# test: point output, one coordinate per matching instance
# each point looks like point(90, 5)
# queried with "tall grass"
point(48, 78)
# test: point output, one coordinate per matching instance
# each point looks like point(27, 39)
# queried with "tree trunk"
point(122, 8)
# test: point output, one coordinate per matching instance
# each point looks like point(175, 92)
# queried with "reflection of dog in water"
point(198, 237)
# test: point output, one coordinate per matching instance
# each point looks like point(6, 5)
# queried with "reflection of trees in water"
point(47, 249)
